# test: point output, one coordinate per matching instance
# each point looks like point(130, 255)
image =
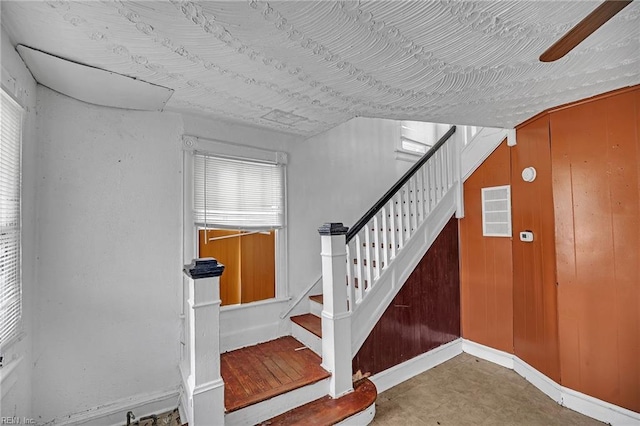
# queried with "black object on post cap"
point(333, 229)
point(205, 267)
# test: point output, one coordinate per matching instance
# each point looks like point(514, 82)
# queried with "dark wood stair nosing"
point(329, 411)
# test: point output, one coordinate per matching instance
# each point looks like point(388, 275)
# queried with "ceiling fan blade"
point(583, 29)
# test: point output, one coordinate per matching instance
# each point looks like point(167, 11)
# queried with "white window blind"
point(238, 194)
point(10, 178)
point(496, 211)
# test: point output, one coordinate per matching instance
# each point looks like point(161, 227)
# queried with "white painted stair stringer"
point(480, 148)
point(394, 276)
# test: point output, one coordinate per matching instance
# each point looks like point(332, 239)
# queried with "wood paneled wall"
point(596, 183)
point(576, 288)
point(486, 274)
point(424, 315)
point(535, 321)
point(227, 252)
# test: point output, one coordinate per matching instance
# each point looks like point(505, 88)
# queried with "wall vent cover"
point(496, 211)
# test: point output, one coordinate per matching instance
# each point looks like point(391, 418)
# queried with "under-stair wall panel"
point(425, 313)
point(535, 323)
point(596, 157)
point(486, 274)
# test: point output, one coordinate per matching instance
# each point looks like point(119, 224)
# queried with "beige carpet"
point(469, 391)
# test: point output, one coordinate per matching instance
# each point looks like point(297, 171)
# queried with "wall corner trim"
point(574, 400)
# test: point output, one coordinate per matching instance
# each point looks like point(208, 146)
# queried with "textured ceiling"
point(304, 67)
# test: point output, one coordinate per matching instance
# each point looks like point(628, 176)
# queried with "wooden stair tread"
point(260, 372)
point(329, 411)
point(317, 298)
point(310, 322)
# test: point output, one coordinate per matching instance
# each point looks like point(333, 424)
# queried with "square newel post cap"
point(336, 228)
point(205, 267)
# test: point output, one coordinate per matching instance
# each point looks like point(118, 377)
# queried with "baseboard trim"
point(572, 399)
point(487, 353)
point(397, 374)
point(115, 412)
point(547, 386)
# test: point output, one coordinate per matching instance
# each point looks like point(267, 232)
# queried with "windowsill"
point(409, 156)
point(254, 304)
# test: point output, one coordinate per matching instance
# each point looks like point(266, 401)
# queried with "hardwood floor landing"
point(257, 373)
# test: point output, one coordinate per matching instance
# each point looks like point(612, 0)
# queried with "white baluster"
point(413, 203)
point(385, 237)
point(358, 266)
point(438, 176)
point(419, 197)
point(406, 213)
point(367, 256)
point(392, 226)
point(432, 183)
point(376, 242)
point(351, 287)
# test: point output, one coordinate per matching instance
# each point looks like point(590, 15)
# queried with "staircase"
point(306, 378)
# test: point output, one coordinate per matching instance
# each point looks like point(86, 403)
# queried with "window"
point(238, 194)
point(496, 211)
point(239, 215)
point(417, 137)
point(10, 180)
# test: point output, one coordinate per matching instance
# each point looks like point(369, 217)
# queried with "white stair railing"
point(385, 245)
point(377, 239)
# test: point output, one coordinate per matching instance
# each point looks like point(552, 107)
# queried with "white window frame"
point(192, 144)
point(17, 329)
point(404, 154)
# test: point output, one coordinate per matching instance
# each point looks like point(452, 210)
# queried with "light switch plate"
point(526, 236)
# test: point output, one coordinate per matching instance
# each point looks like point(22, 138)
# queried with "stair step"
point(329, 411)
point(309, 322)
point(257, 373)
point(317, 298)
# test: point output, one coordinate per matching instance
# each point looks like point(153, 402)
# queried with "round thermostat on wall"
point(529, 174)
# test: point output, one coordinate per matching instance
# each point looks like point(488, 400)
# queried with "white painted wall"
point(109, 239)
point(16, 386)
point(109, 255)
point(336, 177)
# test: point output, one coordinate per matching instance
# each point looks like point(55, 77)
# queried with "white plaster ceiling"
point(306, 66)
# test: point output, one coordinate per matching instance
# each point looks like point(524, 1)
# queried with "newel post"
point(336, 317)
point(206, 388)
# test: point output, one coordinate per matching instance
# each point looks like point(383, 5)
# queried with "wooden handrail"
point(396, 187)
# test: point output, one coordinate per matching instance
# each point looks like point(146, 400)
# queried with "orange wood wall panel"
point(596, 183)
point(258, 269)
point(486, 274)
point(535, 320)
point(227, 252)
